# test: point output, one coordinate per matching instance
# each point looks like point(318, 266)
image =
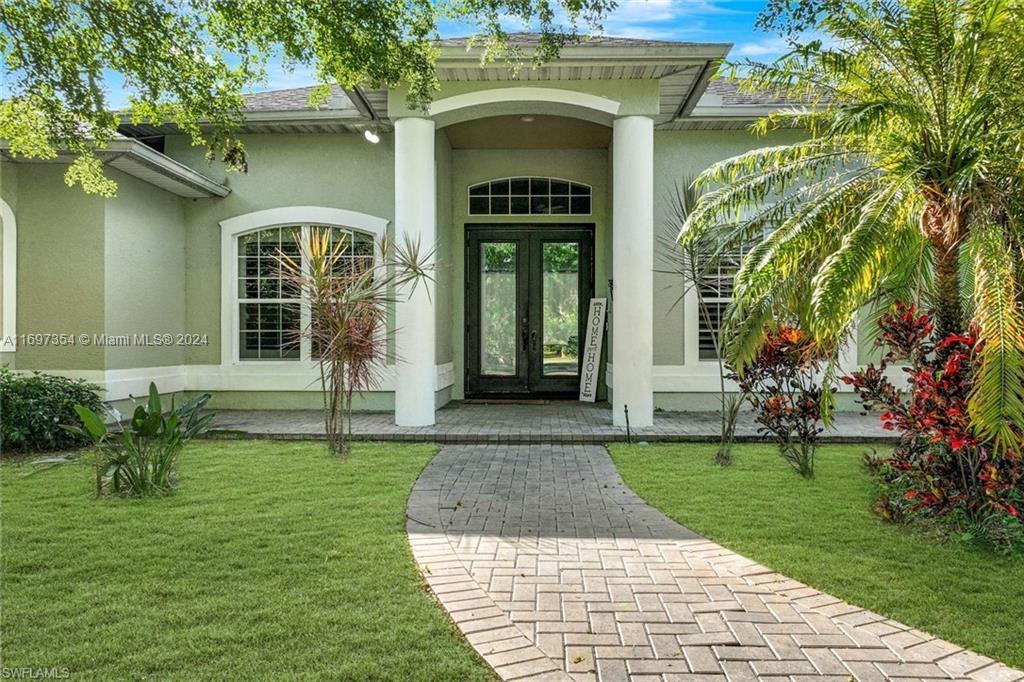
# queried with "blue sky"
point(715, 21)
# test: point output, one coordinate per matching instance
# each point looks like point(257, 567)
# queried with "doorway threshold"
point(505, 401)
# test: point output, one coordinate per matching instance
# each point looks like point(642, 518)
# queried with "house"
point(540, 188)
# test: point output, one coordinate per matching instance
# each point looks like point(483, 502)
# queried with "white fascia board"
point(594, 54)
point(131, 156)
point(165, 165)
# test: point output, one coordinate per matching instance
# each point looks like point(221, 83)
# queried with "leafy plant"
point(138, 458)
point(349, 315)
point(907, 186)
point(782, 386)
point(941, 469)
point(34, 406)
point(188, 62)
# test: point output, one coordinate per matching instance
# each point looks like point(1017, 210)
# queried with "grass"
point(822, 532)
point(271, 559)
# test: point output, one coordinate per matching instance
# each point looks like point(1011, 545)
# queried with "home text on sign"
point(591, 361)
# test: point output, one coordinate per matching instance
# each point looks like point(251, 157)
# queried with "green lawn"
point(270, 560)
point(822, 532)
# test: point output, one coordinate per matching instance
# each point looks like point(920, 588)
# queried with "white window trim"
point(8, 325)
point(285, 216)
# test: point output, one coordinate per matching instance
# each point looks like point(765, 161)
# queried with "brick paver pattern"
point(554, 569)
point(541, 422)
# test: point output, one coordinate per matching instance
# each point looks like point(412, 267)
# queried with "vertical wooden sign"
point(590, 359)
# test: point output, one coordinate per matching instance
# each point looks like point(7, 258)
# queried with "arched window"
point(270, 307)
point(263, 309)
point(530, 196)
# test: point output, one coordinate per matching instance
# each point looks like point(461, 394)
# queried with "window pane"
point(362, 244)
point(539, 186)
point(499, 187)
point(715, 291)
point(478, 190)
point(520, 205)
point(248, 267)
point(539, 205)
point(268, 330)
point(578, 189)
point(521, 186)
point(248, 288)
point(249, 345)
point(478, 206)
point(559, 187)
point(561, 308)
point(269, 287)
point(499, 205)
point(559, 205)
point(581, 205)
point(498, 308)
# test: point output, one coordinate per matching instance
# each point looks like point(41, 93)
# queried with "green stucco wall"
point(333, 171)
point(444, 257)
point(61, 284)
point(95, 267)
point(144, 273)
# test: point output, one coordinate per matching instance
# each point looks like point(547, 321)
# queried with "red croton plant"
point(781, 385)
point(940, 469)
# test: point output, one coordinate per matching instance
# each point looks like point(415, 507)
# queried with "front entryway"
point(526, 291)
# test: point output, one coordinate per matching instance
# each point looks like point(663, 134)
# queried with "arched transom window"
point(530, 196)
point(271, 309)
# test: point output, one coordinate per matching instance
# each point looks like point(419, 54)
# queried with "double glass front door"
point(527, 292)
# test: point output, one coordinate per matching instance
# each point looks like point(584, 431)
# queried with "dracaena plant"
point(907, 185)
point(138, 458)
point(349, 307)
point(696, 263)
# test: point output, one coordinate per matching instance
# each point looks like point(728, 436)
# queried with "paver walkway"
point(554, 569)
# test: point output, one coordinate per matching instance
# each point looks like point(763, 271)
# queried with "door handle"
point(533, 339)
point(525, 335)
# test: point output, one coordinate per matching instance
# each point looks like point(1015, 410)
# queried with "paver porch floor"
point(556, 421)
point(554, 569)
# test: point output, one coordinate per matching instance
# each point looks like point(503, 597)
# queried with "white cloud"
point(664, 19)
point(769, 47)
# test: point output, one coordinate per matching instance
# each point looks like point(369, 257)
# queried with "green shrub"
point(34, 407)
point(138, 458)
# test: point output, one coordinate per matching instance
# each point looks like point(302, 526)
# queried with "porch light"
point(527, 119)
point(371, 136)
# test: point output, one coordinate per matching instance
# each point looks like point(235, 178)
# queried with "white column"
point(415, 216)
point(633, 271)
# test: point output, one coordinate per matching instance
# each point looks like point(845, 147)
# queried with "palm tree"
point(909, 184)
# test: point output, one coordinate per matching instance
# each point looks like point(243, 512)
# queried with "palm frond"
point(997, 402)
